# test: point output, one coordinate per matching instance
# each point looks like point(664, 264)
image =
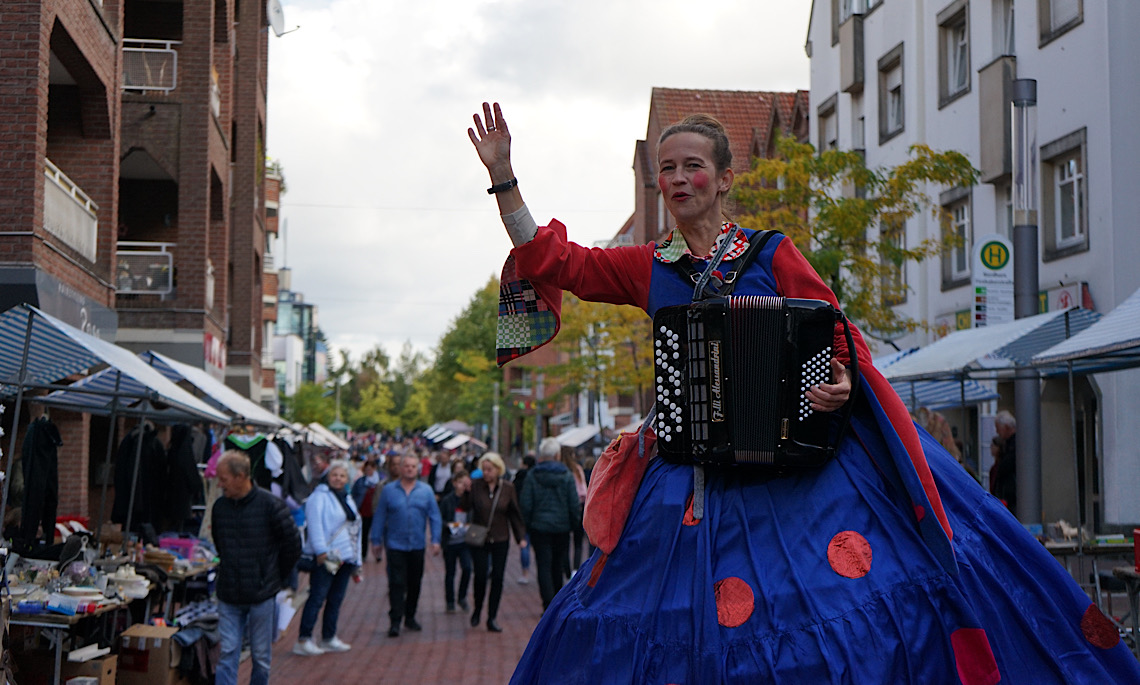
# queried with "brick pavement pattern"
point(448, 651)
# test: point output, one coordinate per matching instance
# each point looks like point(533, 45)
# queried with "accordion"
point(731, 373)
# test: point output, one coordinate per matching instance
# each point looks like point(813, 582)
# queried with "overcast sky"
point(387, 225)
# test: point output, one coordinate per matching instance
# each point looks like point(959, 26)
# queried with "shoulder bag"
point(476, 535)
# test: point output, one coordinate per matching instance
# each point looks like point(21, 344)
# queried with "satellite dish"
point(276, 16)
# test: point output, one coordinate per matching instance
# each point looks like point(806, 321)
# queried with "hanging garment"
point(150, 489)
point(183, 484)
point(40, 465)
point(264, 457)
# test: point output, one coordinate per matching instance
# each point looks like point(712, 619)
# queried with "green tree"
point(374, 412)
point(845, 219)
point(458, 384)
point(608, 348)
point(311, 402)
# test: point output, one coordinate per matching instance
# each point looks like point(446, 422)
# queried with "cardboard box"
point(37, 667)
point(102, 668)
point(148, 656)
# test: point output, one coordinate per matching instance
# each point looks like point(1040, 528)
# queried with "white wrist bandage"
point(520, 226)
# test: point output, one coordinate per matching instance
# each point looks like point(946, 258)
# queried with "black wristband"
point(502, 187)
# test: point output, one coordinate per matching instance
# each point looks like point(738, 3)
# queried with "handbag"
point(476, 535)
point(308, 561)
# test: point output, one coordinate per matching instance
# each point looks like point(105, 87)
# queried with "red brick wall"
point(74, 458)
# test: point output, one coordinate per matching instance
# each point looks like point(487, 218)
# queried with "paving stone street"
point(448, 650)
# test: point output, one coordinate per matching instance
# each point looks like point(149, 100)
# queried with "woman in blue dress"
point(888, 564)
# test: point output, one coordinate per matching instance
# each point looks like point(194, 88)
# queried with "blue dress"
point(832, 576)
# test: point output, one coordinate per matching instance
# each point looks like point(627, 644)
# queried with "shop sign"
point(214, 353)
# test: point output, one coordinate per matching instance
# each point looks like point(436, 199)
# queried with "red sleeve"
point(795, 277)
point(617, 275)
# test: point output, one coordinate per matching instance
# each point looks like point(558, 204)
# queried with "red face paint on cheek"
point(662, 183)
point(700, 180)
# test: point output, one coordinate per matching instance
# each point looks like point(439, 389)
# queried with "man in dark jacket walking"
point(550, 510)
point(258, 545)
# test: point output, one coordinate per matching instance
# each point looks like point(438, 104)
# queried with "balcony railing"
point(69, 214)
point(150, 64)
point(145, 268)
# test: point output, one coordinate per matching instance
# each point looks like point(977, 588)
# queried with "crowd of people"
point(403, 499)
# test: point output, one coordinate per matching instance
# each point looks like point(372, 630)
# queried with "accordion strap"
point(755, 245)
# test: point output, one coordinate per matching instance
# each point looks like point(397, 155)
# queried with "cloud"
point(386, 224)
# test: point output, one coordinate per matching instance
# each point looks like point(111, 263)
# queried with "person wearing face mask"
point(884, 564)
point(334, 526)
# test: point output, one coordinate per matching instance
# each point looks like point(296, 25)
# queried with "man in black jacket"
point(549, 503)
point(258, 545)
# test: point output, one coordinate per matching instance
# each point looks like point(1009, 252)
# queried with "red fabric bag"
point(613, 485)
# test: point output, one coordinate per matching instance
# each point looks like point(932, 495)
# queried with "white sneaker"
point(335, 645)
point(523, 580)
point(307, 648)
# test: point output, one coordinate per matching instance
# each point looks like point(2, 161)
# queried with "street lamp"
point(1026, 390)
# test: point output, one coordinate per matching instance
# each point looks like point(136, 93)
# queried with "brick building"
point(752, 119)
point(193, 216)
point(59, 160)
point(132, 155)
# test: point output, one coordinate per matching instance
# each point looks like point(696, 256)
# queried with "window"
point(1003, 28)
point(892, 239)
point(957, 226)
point(954, 52)
point(858, 123)
point(842, 10)
point(522, 382)
point(828, 124)
point(891, 104)
point(960, 230)
point(1070, 183)
point(1057, 17)
point(1064, 196)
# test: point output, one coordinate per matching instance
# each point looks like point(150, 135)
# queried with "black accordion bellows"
point(731, 373)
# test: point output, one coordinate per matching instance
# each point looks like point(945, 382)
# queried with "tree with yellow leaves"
point(847, 220)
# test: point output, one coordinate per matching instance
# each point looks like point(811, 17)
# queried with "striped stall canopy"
point(61, 348)
point(214, 392)
point(992, 351)
point(1111, 343)
point(52, 354)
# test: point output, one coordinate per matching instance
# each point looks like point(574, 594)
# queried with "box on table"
point(185, 547)
point(37, 667)
point(148, 656)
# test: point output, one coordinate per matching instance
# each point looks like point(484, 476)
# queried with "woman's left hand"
point(522, 543)
point(831, 396)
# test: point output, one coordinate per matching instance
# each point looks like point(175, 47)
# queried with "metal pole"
point(134, 481)
point(20, 379)
point(1027, 385)
point(107, 460)
point(495, 421)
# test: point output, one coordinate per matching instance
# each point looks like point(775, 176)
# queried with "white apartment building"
point(886, 74)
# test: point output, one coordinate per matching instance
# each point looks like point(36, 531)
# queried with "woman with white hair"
point(492, 502)
point(333, 538)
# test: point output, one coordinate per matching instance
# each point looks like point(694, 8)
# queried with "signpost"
point(992, 279)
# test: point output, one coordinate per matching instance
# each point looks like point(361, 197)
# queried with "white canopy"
point(577, 435)
point(459, 440)
point(214, 391)
point(330, 438)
